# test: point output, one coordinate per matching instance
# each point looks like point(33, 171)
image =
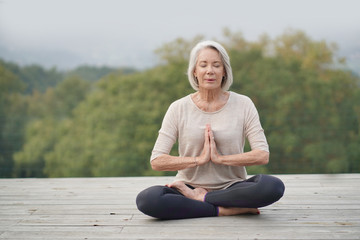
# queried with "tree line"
point(104, 121)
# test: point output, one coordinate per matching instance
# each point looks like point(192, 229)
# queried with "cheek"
point(199, 71)
point(196, 72)
point(221, 71)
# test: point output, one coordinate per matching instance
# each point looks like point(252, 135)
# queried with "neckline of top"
point(219, 110)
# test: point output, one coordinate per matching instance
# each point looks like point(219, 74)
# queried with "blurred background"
point(84, 85)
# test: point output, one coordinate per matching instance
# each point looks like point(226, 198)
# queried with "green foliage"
point(308, 108)
point(40, 138)
point(93, 74)
point(49, 112)
point(11, 122)
point(34, 76)
point(177, 51)
point(115, 129)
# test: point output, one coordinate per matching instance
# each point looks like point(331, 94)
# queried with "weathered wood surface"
point(314, 207)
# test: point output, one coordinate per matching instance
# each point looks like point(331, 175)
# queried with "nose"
point(210, 70)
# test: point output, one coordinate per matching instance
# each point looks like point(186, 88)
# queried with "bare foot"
point(223, 211)
point(196, 194)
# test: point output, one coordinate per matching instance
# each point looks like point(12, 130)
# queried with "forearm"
point(172, 163)
point(254, 157)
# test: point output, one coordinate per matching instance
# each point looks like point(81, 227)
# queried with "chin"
point(211, 87)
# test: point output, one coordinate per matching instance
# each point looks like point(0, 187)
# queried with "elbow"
point(266, 158)
point(263, 158)
point(156, 164)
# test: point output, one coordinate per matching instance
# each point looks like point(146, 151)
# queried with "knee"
point(271, 188)
point(275, 186)
point(147, 201)
point(278, 189)
point(145, 198)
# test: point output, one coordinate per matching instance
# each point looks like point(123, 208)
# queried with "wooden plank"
point(209, 232)
point(269, 218)
point(314, 207)
point(68, 232)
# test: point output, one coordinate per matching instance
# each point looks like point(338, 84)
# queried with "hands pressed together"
point(209, 152)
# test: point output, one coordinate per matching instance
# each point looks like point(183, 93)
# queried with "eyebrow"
point(204, 61)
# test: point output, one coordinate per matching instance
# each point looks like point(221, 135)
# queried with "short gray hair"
point(228, 80)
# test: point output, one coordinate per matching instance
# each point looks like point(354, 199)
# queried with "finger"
point(207, 136)
point(209, 128)
point(211, 136)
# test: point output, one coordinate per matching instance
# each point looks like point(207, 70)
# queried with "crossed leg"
point(200, 193)
point(177, 200)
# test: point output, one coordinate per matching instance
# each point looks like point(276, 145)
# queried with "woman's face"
point(209, 69)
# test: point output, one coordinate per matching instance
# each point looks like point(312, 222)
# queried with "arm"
point(165, 162)
point(254, 157)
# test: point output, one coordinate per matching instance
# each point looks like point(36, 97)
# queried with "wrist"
point(219, 159)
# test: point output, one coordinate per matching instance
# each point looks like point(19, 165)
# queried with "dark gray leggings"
point(167, 203)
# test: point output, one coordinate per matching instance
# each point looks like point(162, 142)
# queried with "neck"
point(210, 100)
point(210, 95)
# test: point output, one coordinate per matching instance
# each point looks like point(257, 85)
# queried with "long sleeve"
point(185, 122)
point(168, 134)
point(253, 129)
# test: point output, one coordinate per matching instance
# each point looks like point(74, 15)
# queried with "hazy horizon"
point(66, 34)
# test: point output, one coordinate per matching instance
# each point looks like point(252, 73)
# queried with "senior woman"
point(210, 126)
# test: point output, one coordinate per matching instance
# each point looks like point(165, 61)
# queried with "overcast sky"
point(67, 33)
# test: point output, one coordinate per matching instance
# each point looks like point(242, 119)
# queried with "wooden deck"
point(314, 207)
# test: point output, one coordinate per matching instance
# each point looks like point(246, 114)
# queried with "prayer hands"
point(209, 152)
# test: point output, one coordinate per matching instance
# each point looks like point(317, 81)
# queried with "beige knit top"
point(185, 122)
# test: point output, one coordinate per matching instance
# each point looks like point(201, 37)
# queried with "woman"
point(210, 126)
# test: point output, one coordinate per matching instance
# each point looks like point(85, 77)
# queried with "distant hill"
point(38, 78)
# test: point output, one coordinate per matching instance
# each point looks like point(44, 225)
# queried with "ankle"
point(224, 211)
point(200, 194)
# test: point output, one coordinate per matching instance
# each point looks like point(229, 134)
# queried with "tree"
point(304, 103)
point(11, 107)
point(48, 117)
point(94, 74)
point(307, 106)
